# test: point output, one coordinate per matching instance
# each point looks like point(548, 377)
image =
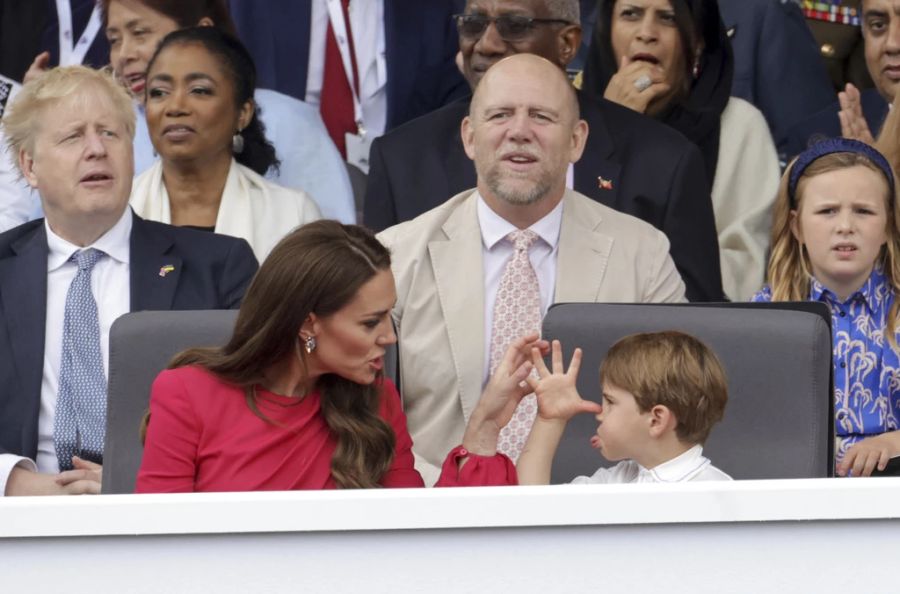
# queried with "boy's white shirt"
point(691, 465)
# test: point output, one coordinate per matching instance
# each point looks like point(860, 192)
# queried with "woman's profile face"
point(352, 341)
point(646, 31)
point(191, 111)
point(134, 31)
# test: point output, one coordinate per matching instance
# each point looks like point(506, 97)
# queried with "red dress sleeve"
point(173, 435)
point(478, 471)
point(402, 472)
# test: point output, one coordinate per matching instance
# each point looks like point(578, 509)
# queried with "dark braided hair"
point(258, 154)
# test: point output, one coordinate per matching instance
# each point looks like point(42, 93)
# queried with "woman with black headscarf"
point(672, 60)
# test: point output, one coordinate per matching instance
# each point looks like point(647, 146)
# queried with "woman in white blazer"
point(213, 150)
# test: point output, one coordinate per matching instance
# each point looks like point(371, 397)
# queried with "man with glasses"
point(631, 163)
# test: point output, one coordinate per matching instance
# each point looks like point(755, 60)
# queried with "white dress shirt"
point(689, 466)
point(495, 253)
point(111, 286)
point(367, 30)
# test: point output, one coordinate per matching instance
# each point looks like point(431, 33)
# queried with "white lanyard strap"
point(339, 25)
point(70, 51)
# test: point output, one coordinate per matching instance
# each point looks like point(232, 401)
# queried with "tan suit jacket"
point(603, 256)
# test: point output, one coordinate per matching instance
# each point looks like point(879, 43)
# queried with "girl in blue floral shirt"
point(835, 240)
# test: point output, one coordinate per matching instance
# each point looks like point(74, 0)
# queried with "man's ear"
point(662, 420)
point(206, 22)
point(26, 164)
point(466, 130)
point(569, 42)
point(579, 141)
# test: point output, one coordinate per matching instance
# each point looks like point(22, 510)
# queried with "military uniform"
point(835, 25)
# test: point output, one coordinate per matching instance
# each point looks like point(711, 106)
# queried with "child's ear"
point(795, 227)
point(662, 420)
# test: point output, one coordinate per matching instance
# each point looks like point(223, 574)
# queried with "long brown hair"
point(317, 268)
point(790, 270)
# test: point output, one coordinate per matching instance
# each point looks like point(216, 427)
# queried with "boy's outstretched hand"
point(556, 393)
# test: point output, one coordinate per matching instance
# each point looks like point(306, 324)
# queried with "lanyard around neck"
point(340, 27)
point(71, 51)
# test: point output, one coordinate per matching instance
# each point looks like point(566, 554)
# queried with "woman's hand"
point(557, 396)
point(853, 122)
point(636, 84)
point(501, 396)
point(865, 456)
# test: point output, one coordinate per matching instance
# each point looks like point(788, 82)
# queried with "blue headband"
point(829, 147)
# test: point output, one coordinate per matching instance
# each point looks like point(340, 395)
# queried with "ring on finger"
point(642, 83)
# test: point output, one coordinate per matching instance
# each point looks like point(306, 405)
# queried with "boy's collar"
point(678, 468)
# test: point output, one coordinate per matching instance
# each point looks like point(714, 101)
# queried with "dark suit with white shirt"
point(208, 271)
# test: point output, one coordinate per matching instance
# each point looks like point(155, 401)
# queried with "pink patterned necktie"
point(517, 312)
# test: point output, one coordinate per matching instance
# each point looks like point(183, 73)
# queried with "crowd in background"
point(509, 154)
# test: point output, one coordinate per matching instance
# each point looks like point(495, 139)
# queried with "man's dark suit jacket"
point(656, 175)
point(210, 272)
point(777, 65)
point(826, 124)
point(420, 50)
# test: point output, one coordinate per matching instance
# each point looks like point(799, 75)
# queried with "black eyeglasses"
point(510, 27)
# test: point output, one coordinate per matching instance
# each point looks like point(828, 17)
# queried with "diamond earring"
point(310, 344)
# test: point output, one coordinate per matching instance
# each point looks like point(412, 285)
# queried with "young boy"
point(662, 393)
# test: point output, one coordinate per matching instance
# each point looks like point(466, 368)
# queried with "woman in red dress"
point(297, 399)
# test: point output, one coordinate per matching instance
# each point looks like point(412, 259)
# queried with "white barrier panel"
point(820, 536)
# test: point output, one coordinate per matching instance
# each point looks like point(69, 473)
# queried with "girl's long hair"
point(790, 270)
point(317, 268)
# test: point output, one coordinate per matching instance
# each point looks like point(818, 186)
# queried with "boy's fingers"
point(575, 363)
point(556, 357)
point(539, 364)
point(589, 406)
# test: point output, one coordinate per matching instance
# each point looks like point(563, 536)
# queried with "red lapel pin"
point(605, 184)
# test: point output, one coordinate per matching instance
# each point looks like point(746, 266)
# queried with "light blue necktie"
point(80, 425)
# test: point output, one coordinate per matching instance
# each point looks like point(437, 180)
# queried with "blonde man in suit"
point(451, 263)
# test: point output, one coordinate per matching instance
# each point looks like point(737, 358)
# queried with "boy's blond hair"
point(675, 370)
point(21, 122)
